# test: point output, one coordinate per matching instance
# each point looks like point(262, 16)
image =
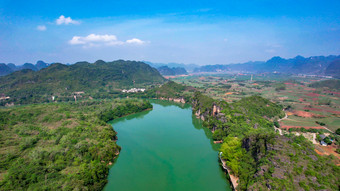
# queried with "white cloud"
point(135, 41)
point(41, 28)
point(66, 20)
point(94, 40)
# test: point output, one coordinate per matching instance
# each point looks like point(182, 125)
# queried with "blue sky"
point(201, 32)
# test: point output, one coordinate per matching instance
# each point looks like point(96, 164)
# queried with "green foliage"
point(60, 146)
point(203, 103)
point(232, 152)
point(170, 90)
point(277, 161)
point(324, 101)
point(218, 134)
point(328, 140)
point(337, 131)
point(280, 86)
point(320, 123)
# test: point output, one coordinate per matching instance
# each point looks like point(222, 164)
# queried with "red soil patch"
point(291, 126)
point(301, 99)
point(328, 150)
point(291, 84)
point(309, 89)
point(289, 113)
point(314, 99)
point(324, 110)
point(319, 153)
point(306, 114)
point(313, 94)
point(283, 98)
point(202, 78)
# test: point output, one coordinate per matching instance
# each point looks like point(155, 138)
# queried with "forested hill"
point(165, 70)
point(94, 79)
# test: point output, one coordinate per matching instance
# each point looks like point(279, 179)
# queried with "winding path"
point(278, 129)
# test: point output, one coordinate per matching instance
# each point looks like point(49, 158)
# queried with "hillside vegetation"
point(271, 161)
point(259, 157)
point(331, 84)
point(60, 146)
point(98, 80)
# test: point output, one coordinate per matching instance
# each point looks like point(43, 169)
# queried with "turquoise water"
point(165, 149)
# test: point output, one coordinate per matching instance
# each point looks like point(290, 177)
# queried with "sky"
point(199, 32)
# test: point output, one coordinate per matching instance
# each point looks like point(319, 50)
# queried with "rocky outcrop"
point(216, 110)
point(177, 100)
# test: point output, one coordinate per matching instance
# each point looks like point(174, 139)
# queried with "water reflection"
point(139, 115)
point(166, 103)
point(198, 124)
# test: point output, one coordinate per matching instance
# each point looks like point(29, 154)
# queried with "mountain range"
point(315, 65)
point(166, 71)
point(188, 67)
point(10, 67)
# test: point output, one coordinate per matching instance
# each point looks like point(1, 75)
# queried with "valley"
point(240, 114)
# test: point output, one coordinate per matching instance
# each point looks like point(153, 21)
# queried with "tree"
point(337, 131)
point(232, 152)
point(328, 140)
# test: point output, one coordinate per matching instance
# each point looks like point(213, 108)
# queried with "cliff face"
point(177, 100)
point(203, 106)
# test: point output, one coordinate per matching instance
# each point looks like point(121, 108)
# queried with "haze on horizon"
point(204, 32)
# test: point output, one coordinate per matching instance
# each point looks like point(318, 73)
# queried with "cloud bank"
point(102, 40)
point(66, 20)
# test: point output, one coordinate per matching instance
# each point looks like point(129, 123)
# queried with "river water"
point(165, 148)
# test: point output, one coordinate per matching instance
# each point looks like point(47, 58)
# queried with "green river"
point(166, 148)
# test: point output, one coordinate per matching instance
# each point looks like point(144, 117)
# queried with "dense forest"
point(60, 146)
point(61, 82)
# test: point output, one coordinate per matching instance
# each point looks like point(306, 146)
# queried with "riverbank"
point(233, 179)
